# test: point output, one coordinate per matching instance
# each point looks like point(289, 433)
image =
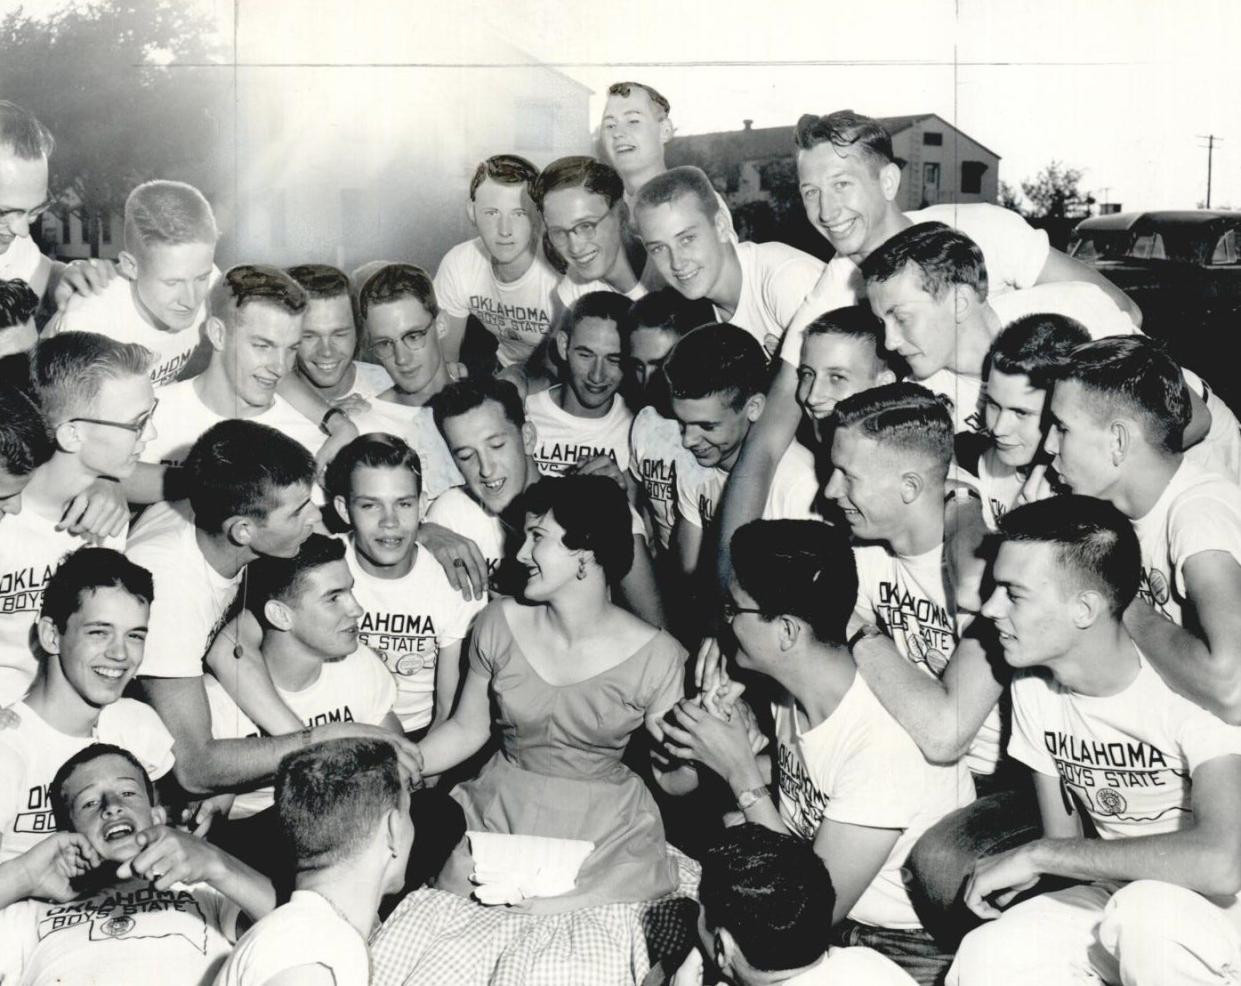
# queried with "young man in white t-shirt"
point(166, 267)
point(764, 900)
point(92, 631)
point(500, 277)
point(344, 810)
point(758, 287)
point(412, 616)
point(582, 423)
point(158, 905)
point(715, 376)
point(1117, 412)
point(311, 649)
point(1107, 741)
point(98, 403)
point(850, 780)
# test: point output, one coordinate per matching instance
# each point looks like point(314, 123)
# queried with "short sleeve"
point(450, 281)
point(790, 284)
point(1029, 693)
point(864, 611)
point(19, 932)
point(218, 910)
point(1015, 252)
point(1202, 522)
point(794, 487)
point(12, 784)
point(140, 730)
point(1203, 737)
point(665, 678)
point(687, 501)
point(491, 636)
point(382, 685)
point(836, 287)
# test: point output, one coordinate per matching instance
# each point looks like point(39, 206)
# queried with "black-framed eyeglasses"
point(10, 216)
point(585, 230)
point(413, 341)
point(731, 610)
point(137, 426)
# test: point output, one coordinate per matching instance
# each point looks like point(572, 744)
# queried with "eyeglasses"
point(9, 216)
point(731, 610)
point(413, 341)
point(137, 426)
point(585, 230)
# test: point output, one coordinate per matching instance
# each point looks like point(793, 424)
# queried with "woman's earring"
point(581, 569)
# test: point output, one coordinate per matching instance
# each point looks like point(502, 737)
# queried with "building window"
point(930, 175)
point(971, 177)
point(932, 139)
point(105, 226)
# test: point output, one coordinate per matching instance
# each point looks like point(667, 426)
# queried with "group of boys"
point(976, 534)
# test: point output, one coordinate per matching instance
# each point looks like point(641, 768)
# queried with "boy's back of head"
point(25, 443)
point(247, 284)
point(943, 257)
point(718, 358)
point(905, 418)
point(1035, 346)
point(167, 213)
point(69, 369)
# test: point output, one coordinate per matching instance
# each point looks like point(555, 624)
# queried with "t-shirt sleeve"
point(1030, 693)
point(218, 910)
point(176, 630)
point(836, 287)
point(380, 686)
point(12, 787)
point(789, 285)
point(461, 615)
point(452, 281)
point(1205, 522)
point(880, 781)
point(19, 933)
point(794, 488)
point(864, 609)
point(687, 502)
point(146, 737)
point(1204, 737)
point(1015, 252)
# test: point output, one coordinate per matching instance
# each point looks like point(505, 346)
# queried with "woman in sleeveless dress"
point(572, 676)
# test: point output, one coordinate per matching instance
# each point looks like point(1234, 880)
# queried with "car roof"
point(1159, 219)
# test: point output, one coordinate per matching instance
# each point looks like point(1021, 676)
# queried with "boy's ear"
point(341, 508)
point(128, 264)
point(215, 333)
point(48, 634)
point(469, 211)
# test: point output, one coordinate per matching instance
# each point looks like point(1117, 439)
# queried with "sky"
point(1120, 89)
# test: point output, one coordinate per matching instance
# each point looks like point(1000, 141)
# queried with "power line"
point(1211, 141)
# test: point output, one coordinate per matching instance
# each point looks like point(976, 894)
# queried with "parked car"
point(1184, 270)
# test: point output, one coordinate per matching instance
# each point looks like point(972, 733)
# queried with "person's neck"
point(1143, 482)
point(144, 312)
point(635, 179)
point(419, 398)
point(514, 269)
point(215, 391)
point(58, 703)
point(567, 401)
point(621, 277)
point(578, 613)
point(756, 977)
point(892, 223)
point(224, 557)
point(974, 336)
point(397, 571)
point(291, 664)
point(923, 527)
point(55, 483)
point(1103, 662)
point(354, 896)
point(819, 680)
point(338, 389)
point(725, 294)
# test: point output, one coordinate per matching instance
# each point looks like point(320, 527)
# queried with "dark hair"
point(856, 322)
point(237, 468)
point(24, 440)
point(68, 370)
point(87, 570)
point(594, 512)
point(252, 283)
point(1037, 346)
point(507, 169)
point(18, 303)
point(1095, 543)
point(667, 310)
point(844, 129)
point(675, 182)
point(284, 579)
point(23, 134)
point(771, 892)
point(330, 796)
point(463, 396)
point(56, 793)
point(320, 281)
point(944, 258)
point(716, 359)
point(607, 305)
point(625, 90)
point(903, 416)
point(376, 449)
point(392, 282)
point(1135, 374)
point(578, 171)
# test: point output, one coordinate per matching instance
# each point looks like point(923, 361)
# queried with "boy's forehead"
point(478, 424)
point(108, 768)
point(638, 100)
point(838, 349)
point(492, 192)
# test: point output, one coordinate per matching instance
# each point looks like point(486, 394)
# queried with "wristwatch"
point(752, 796)
point(327, 417)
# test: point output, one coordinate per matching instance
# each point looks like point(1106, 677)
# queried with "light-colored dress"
point(558, 771)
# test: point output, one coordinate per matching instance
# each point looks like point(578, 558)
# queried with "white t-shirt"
point(790, 496)
point(661, 464)
point(128, 934)
point(461, 514)
point(569, 289)
point(859, 767)
point(853, 966)
point(775, 279)
point(369, 379)
point(1014, 251)
point(31, 753)
point(192, 599)
point(416, 425)
point(407, 622)
point(904, 595)
point(565, 440)
point(182, 417)
point(305, 931)
point(114, 313)
point(518, 313)
point(1129, 757)
point(1197, 511)
point(31, 549)
point(357, 688)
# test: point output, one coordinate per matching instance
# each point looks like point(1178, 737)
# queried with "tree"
point(1009, 198)
point(104, 78)
point(1055, 194)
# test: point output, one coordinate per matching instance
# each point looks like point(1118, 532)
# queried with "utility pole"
point(1211, 141)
